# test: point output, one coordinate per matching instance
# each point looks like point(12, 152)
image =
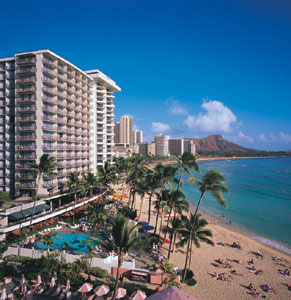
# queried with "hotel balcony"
point(49, 81)
point(26, 80)
point(49, 118)
point(50, 185)
point(26, 108)
point(49, 147)
point(26, 157)
point(22, 98)
point(49, 90)
point(49, 138)
point(25, 137)
point(49, 109)
point(25, 118)
point(62, 112)
point(26, 147)
point(50, 63)
point(62, 103)
point(48, 71)
point(23, 185)
point(50, 100)
point(26, 60)
point(49, 128)
point(25, 71)
point(23, 166)
point(26, 128)
point(26, 90)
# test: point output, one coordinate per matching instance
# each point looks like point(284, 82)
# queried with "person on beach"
point(251, 287)
point(215, 221)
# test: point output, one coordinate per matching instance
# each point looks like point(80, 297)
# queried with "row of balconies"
point(31, 60)
point(28, 108)
point(26, 156)
point(26, 79)
point(26, 89)
point(29, 137)
point(25, 118)
point(26, 128)
point(26, 147)
point(25, 71)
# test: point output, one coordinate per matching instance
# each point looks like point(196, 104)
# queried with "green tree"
point(5, 198)
point(197, 235)
point(124, 239)
point(47, 166)
point(214, 182)
point(48, 240)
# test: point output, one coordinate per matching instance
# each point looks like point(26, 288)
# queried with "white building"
point(162, 145)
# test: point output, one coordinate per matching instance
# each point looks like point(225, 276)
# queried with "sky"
point(185, 68)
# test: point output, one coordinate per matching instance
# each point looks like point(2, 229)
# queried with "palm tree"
point(90, 182)
point(214, 182)
point(176, 202)
point(120, 165)
point(174, 226)
point(186, 163)
point(106, 174)
point(74, 186)
point(124, 239)
point(153, 181)
point(167, 174)
point(46, 165)
point(197, 235)
point(142, 189)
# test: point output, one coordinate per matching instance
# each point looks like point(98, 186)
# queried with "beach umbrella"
point(138, 295)
point(3, 295)
point(121, 293)
point(167, 241)
point(147, 227)
point(171, 293)
point(68, 286)
point(101, 290)
point(53, 282)
point(85, 288)
point(38, 280)
point(143, 223)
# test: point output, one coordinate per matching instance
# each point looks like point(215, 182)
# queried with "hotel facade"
point(49, 106)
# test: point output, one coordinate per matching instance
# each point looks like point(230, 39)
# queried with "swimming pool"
point(77, 242)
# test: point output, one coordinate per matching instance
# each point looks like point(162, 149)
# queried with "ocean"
point(259, 198)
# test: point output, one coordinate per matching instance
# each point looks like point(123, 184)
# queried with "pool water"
point(77, 242)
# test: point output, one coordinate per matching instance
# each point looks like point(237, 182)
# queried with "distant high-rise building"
point(147, 148)
point(137, 136)
point(162, 145)
point(176, 146)
point(117, 133)
point(125, 132)
point(189, 146)
point(179, 146)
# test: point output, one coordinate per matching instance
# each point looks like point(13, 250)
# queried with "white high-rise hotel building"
point(49, 106)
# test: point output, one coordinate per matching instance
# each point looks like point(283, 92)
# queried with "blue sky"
point(186, 68)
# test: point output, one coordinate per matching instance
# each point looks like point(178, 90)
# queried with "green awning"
point(27, 213)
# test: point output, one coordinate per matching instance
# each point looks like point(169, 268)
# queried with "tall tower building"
point(137, 137)
point(125, 132)
point(116, 133)
point(103, 117)
point(49, 106)
point(162, 145)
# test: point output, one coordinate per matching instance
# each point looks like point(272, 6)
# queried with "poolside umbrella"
point(4, 295)
point(101, 290)
point(171, 293)
point(138, 295)
point(68, 286)
point(53, 282)
point(38, 280)
point(85, 288)
point(121, 293)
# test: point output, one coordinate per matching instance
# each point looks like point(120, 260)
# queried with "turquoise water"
point(77, 242)
point(259, 197)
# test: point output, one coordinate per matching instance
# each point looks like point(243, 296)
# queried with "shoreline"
point(239, 229)
point(203, 259)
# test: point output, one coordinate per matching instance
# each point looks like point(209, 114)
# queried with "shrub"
point(191, 281)
point(98, 272)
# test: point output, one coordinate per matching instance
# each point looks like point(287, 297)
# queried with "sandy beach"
point(208, 287)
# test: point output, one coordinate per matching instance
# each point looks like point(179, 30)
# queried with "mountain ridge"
point(215, 142)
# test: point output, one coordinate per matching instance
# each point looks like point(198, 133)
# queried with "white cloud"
point(262, 137)
point(217, 117)
point(247, 138)
point(285, 137)
point(175, 107)
point(159, 127)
